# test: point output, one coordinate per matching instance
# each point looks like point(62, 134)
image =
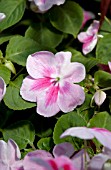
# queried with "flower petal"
point(41, 154)
point(89, 46)
point(99, 97)
point(62, 162)
point(3, 151)
point(13, 148)
point(98, 161)
point(84, 37)
point(44, 5)
point(93, 29)
point(9, 153)
point(47, 102)
point(79, 159)
point(31, 87)
point(80, 132)
point(70, 96)
point(74, 72)
point(103, 136)
point(65, 149)
point(2, 88)
point(40, 64)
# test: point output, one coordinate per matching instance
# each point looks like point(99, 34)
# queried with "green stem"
point(107, 88)
point(17, 74)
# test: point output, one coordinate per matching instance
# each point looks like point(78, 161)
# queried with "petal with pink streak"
point(47, 101)
point(30, 87)
point(84, 37)
point(74, 72)
point(73, 94)
point(62, 162)
point(2, 88)
point(103, 136)
point(89, 46)
point(41, 64)
point(80, 132)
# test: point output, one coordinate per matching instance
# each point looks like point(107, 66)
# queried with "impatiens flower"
point(44, 5)
point(50, 82)
point(101, 134)
point(87, 15)
point(2, 88)
point(90, 37)
point(99, 97)
point(9, 155)
point(2, 16)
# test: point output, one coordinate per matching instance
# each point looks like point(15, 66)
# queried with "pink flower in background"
point(44, 5)
point(90, 37)
point(2, 16)
point(9, 155)
point(2, 88)
point(87, 15)
point(101, 134)
point(50, 82)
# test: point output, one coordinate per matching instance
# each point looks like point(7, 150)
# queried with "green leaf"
point(43, 35)
point(67, 18)
point(12, 97)
point(101, 120)
point(45, 143)
point(5, 38)
point(5, 73)
point(71, 119)
point(103, 50)
point(102, 79)
point(14, 10)
point(19, 48)
point(21, 132)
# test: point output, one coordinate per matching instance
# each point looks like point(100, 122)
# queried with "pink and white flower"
point(90, 37)
point(44, 5)
point(101, 134)
point(2, 88)
point(50, 82)
point(2, 16)
point(9, 155)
